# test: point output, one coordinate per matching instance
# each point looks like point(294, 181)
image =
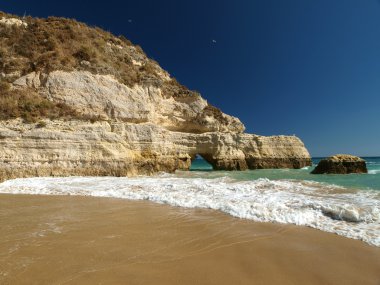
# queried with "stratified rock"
point(341, 164)
point(105, 97)
point(66, 148)
point(124, 114)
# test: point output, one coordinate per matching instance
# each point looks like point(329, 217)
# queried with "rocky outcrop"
point(119, 148)
point(341, 164)
point(125, 114)
point(12, 22)
point(103, 96)
point(139, 131)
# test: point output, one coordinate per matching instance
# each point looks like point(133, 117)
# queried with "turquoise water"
point(371, 180)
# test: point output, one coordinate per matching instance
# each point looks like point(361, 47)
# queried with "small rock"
point(13, 22)
point(341, 164)
point(85, 63)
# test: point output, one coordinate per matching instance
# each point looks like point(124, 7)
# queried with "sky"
point(304, 67)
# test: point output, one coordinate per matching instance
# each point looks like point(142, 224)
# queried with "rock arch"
point(197, 157)
point(226, 151)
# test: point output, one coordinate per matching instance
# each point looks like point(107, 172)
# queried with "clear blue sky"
point(304, 67)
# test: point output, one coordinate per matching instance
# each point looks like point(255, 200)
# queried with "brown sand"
point(82, 240)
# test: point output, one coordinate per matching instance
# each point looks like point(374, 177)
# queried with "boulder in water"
point(341, 164)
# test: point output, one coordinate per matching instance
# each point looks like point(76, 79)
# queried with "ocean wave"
point(353, 214)
point(374, 171)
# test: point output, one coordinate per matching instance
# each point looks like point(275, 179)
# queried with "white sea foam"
point(374, 171)
point(353, 214)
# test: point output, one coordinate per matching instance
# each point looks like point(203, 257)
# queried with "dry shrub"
point(216, 113)
point(41, 124)
point(85, 53)
point(178, 91)
point(148, 68)
point(30, 106)
point(125, 40)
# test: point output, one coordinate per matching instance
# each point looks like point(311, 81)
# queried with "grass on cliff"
point(31, 106)
point(65, 44)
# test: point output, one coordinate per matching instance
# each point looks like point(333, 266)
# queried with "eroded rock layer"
point(117, 148)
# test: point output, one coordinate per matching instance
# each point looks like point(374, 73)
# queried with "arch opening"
point(198, 163)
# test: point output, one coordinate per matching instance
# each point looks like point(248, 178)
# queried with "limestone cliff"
point(123, 114)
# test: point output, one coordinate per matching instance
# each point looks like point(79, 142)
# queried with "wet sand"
point(83, 240)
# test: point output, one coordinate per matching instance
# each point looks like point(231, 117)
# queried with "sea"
point(347, 205)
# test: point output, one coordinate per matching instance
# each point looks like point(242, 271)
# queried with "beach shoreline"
point(87, 240)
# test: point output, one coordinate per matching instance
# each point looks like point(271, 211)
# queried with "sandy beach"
point(83, 240)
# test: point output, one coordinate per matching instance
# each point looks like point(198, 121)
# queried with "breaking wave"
point(350, 213)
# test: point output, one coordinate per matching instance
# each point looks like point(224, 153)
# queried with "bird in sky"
point(214, 41)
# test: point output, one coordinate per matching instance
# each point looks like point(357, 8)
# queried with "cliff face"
point(135, 121)
point(119, 148)
point(103, 97)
